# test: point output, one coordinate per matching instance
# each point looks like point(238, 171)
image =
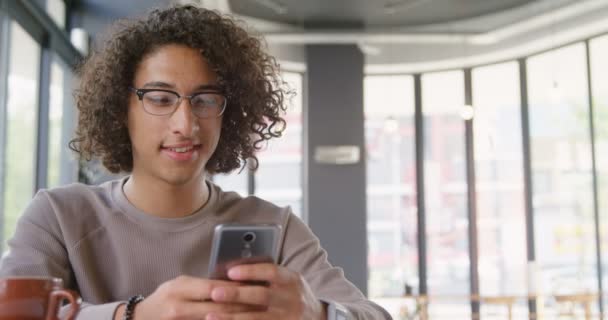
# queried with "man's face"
point(172, 148)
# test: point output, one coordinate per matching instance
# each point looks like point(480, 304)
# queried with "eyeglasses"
point(160, 102)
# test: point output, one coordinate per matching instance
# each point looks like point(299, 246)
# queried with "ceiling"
point(336, 14)
point(391, 32)
point(366, 13)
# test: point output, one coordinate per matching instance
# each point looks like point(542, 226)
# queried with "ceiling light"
point(391, 125)
point(393, 7)
point(275, 5)
point(368, 49)
point(467, 112)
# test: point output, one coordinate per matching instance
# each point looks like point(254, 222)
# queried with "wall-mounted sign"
point(337, 154)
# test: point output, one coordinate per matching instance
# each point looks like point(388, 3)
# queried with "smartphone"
point(236, 244)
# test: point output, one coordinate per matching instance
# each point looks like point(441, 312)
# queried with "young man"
point(170, 99)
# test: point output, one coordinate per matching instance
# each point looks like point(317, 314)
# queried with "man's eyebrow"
point(158, 84)
point(165, 85)
point(204, 87)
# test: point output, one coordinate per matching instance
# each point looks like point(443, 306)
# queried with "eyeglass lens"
point(203, 104)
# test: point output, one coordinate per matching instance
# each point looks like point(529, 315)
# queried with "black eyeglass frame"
point(140, 95)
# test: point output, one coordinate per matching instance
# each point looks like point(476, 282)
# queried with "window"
point(236, 181)
point(278, 178)
point(279, 175)
point(561, 168)
point(599, 85)
point(499, 182)
point(446, 192)
point(391, 185)
point(62, 163)
point(56, 10)
point(21, 126)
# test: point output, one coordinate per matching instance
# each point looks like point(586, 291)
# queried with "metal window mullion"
point(596, 210)
point(42, 28)
point(471, 198)
point(306, 160)
point(4, 68)
point(420, 197)
point(70, 11)
point(527, 167)
point(250, 181)
point(42, 142)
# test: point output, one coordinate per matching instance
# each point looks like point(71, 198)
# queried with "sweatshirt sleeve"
point(302, 252)
point(93, 312)
point(38, 248)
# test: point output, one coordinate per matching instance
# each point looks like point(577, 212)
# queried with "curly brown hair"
point(249, 76)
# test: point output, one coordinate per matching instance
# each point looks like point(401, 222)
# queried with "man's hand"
point(286, 297)
point(185, 298)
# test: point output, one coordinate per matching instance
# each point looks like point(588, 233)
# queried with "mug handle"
point(59, 295)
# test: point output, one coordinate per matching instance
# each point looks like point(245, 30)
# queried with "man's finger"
point(241, 316)
point(260, 272)
point(193, 289)
point(253, 295)
point(199, 310)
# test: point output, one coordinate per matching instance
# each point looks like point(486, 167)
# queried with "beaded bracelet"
point(130, 309)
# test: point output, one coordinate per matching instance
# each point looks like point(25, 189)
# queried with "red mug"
point(35, 298)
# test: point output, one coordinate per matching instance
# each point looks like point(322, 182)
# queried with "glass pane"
point(391, 186)
point(561, 169)
point(499, 184)
point(20, 156)
point(235, 181)
point(62, 161)
point(282, 157)
point(446, 192)
point(599, 85)
point(55, 115)
point(56, 10)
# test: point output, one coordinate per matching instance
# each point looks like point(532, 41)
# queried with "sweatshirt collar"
point(144, 219)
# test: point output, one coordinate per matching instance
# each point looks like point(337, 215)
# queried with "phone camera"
point(249, 237)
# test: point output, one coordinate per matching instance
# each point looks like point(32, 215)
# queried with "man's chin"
point(182, 178)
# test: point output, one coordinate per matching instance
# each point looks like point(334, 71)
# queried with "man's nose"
point(183, 120)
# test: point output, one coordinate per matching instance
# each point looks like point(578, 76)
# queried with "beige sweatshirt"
point(108, 250)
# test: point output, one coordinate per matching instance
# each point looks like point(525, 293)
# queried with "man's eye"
point(160, 99)
point(206, 100)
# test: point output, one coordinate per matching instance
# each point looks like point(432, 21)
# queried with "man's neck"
point(165, 200)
